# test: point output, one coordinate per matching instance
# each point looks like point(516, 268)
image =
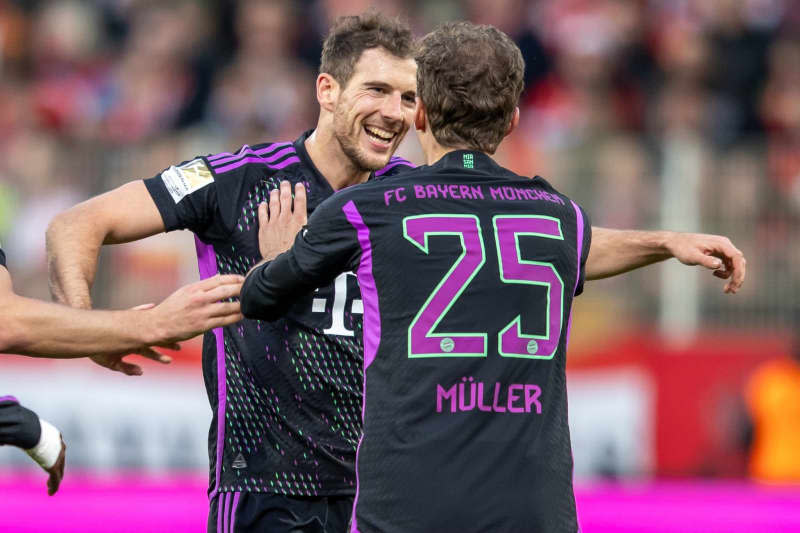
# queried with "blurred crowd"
point(681, 114)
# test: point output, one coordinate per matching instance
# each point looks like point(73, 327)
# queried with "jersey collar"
point(468, 160)
point(317, 177)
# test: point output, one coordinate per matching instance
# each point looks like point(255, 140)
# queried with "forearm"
point(615, 252)
point(42, 329)
point(73, 246)
point(270, 289)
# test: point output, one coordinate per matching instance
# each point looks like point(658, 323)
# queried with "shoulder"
point(269, 157)
point(396, 164)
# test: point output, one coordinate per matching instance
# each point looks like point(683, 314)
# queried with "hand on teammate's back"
point(279, 223)
point(713, 252)
point(184, 314)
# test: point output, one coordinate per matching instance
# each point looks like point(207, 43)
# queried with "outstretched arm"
point(43, 329)
point(618, 251)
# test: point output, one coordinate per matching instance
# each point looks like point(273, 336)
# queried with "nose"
point(392, 108)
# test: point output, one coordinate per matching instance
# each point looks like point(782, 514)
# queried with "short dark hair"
point(470, 78)
point(351, 35)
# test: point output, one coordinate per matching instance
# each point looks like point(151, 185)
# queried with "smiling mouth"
point(379, 134)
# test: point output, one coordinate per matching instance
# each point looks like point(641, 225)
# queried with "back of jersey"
point(467, 315)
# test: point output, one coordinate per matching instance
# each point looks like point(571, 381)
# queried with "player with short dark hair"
point(467, 275)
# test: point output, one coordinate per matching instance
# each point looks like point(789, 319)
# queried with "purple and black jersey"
point(19, 426)
point(467, 273)
point(286, 394)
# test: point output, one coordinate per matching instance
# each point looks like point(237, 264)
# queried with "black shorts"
point(244, 512)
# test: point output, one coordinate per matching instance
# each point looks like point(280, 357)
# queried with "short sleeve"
point(584, 241)
point(194, 196)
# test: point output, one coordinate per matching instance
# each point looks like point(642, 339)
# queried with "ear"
point(327, 91)
point(514, 122)
point(420, 117)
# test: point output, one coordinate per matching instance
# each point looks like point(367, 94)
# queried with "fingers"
point(263, 216)
point(225, 320)
point(223, 309)
point(300, 206)
point(274, 205)
point(57, 471)
point(286, 200)
point(217, 281)
point(222, 292)
point(129, 369)
point(709, 261)
point(150, 353)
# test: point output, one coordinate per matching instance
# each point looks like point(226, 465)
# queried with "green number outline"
point(517, 322)
point(424, 248)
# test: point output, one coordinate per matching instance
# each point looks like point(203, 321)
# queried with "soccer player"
point(285, 395)
point(41, 329)
point(467, 274)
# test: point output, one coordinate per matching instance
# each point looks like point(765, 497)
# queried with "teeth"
point(380, 133)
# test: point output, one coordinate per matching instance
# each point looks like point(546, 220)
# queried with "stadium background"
point(678, 114)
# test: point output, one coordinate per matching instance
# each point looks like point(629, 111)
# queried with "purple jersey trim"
point(227, 522)
point(216, 159)
point(219, 511)
point(579, 231)
point(8, 399)
point(233, 510)
point(256, 153)
point(261, 160)
point(393, 164)
point(206, 261)
point(372, 318)
point(579, 220)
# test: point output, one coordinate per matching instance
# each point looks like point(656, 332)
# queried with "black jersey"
point(286, 394)
point(19, 426)
point(2, 258)
point(467, 274)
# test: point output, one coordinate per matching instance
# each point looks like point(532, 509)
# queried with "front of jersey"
point(286, 394)
point(467, 275)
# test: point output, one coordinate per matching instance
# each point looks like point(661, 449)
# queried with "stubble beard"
point(348, 142)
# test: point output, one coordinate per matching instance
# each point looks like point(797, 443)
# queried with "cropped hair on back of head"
point(469, 78)
point(351, 35)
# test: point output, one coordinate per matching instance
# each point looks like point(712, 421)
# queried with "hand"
point(713, 252)
point(278, 226)
point(57, 471)
point(191, 310)
point(116, 362)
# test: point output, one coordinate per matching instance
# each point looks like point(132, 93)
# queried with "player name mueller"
point(472, 395)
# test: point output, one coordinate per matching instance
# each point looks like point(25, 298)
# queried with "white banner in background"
point(110, 421)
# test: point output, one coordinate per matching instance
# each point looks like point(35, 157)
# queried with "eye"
point(376, 90)
point(409, 99)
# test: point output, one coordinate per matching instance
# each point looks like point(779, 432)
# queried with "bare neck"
point(435, 151)
point(327, 155)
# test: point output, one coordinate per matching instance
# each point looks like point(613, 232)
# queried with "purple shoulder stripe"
point(394, 162)
point(8, 399)
point(217, 158)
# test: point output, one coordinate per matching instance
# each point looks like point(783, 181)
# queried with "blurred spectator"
point(773, 401)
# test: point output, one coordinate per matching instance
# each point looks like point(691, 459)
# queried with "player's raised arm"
point(42, 329)
point(75, 236)
point(617, 251)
